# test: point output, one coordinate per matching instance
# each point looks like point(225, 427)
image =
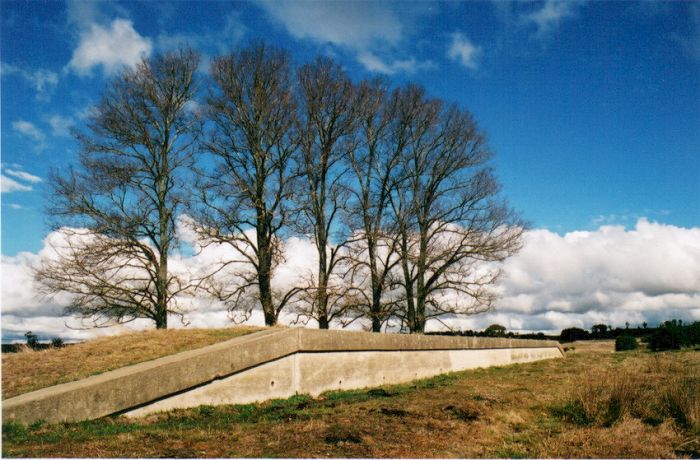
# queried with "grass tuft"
point(340, 434)
point(14, 432)
point(464, 413)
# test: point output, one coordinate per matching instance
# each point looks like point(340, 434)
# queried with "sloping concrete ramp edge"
point(275, 363)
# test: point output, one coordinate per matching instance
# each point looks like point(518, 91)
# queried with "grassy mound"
point(31, 370)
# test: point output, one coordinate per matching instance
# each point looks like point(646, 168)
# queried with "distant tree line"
point(669, 335)
point(497, 330)
point(33, 343)
point(391, 186)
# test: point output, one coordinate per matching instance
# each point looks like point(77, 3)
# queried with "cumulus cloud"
point(547, 18)
point(43, 81)
point(25, 308)
point(463, 51)
point(111, 48)
point(612, 275)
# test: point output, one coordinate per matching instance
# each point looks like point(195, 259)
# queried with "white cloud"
point(373, 63)
point(25, 176)
point(86, 112)
point(82, 13)
point(60, 125)
point(611, 275)
point(221, 40)
point(550, 15)
point(463, 51)
point(364, 28)
point(19, 182)
point(647, 274)
point(30, 131)
point(43, 81)
point(111, 48)
point(9, 185)
point(354, 24)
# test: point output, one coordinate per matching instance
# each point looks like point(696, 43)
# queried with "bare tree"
point(245, 198)
point(374, 163)
point(116, 210)
point(326, 127)
point(450, 219)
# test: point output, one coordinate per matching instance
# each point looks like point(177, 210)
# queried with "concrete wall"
point(275, 363)
point(314, 373)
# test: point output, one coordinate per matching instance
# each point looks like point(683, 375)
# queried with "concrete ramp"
point(275, 363)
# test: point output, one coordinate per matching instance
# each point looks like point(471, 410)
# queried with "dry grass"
point(512, 411)
point(585, 346)
point(31, 370)
point(659, 388)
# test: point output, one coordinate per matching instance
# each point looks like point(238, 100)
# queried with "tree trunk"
point(162, 291)
point(421, 291)
point(161, 315)
point(266, 297)
point(163, 239)
point(410, 301)
point(264, 282)
point(419, 320)
point(375, 308)
point(408, 284)
point(323, 322)
point(376, 320)
point(322, 292)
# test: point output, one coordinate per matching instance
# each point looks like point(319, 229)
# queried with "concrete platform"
point(275, 363)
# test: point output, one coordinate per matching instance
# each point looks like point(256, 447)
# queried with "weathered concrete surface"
point(314, 373)
point(274, 363)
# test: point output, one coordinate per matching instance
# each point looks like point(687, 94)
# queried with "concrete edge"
point(129, 386)
point(136, 368)
point(138, 384)
point(316, 340)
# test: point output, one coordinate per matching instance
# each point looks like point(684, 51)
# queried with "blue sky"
point(591, 108)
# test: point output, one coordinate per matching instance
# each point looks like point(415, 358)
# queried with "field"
point(593, 403)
